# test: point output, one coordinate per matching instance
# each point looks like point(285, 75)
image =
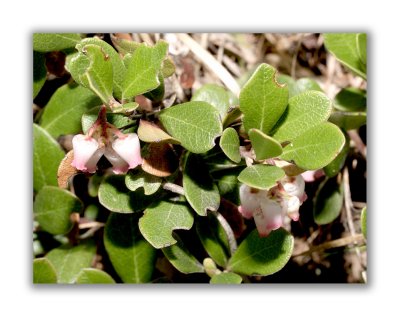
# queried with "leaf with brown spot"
point(160, 160)
point(66, 170)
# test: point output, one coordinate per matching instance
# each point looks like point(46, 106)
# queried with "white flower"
point(269, 207)
point(129, 149)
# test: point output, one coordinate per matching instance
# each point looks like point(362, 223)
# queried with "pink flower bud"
point(86, 153)
point(128, 148)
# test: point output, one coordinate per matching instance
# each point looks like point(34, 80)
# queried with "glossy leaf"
point(181, 258)
point(143, 69)
point(62, 114)
point(118, 66)
point(316, 147)
point(39, 72)
point(261, 176)
point(48, 42)
point(115, 196)
point(348, 120)
point(138, 178)
point(92, 68)
point(117, 119)
point(213, 238)
point(304, 112)
point(264, 146)
point(161, 218)
point(263, 100)
point(214, 95)
point(334, 167)
point(329, 201)
point(47, 155)
point(53, 207)
point(364, 221)
point(94, 276)
point(68, 261)
point(262, 256)
point(230, 143)
point(226, 278)
point(194, 124)
point(150, 132)
point(43, 272)
point(200, 190)
point(350, 49)
point(351, 99)
point(131, 255)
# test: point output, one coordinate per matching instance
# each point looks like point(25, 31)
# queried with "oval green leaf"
point(39, 72)
point(230, 143)
point(48, 42)
point(304, 112)
point(261, 176)
point(47, 155)
point(43, 272)
point(139, 178)
point(181, 258)
point(94, 276)
point(351, 99)
point(316, 147)
point(62, 115)
point(131, 256)
point(264, 146)
point(263, 100)
point(160, 219)
point(52, 209)
point(194, 124)
point(200, 190)
point(334, 167)
point(214, 95)
point(226, 278)
point(68, 261)
point(348, 120)
point(328, 202)
point(114, 195)
point(262, 256)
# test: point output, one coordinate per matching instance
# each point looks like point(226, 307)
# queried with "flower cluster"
point(121, 150)
point(270, 207)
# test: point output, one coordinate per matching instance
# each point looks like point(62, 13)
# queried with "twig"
point(210, 62)
point(174, 188)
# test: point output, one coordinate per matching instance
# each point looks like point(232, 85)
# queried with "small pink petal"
point(245, 213)
point(84, 148)
point(128, 148)
point(119, 165)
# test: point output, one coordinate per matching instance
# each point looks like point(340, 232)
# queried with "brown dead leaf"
point(160, 160)
point(66, 170)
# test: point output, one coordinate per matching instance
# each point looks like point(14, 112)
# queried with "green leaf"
point(316, 147)
point(261, 176)
point(262, 256)
point(53, 207)
point(48, 42)
point(118, 66)
point(348, 120)
point(143, 69)
point(124, 46)
point(47, 155)
point(350, 49)
point(364, 221)
point(150, 132)
point(351, 99)
point(226, 278)
point(131, 256)
point(168, 67)
point(62, 114)
point(230, 143)
point(264, 146)
point(94, 276)
point(92, 68)
point(334, 167)
point(304, 112)
point(68, 261)
point(200, 190)
point(216, 96)
point(328, 202)
point(119, 120)
point(195, 124)
point(115, 196)
point(181, 258)
point(228, 184)
point(213, 238)
point(297, 87)
point(263, 100)
point(138, 178)
point(43, 272)
point(39, 72)
point(161, 218)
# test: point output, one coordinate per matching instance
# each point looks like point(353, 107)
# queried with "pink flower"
point(86, 153)
point(270, 207)
point(129, 149)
